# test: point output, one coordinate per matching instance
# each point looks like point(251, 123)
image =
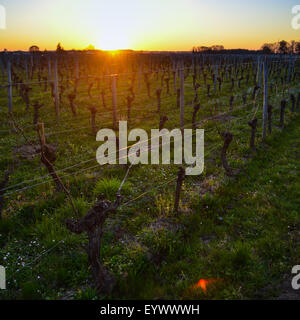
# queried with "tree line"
point(280, 47)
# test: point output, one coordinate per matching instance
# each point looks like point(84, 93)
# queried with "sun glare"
point(113, 41)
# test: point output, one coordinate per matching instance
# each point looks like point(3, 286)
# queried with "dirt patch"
point(206, 239)
point(165, 224)
point(28, 152)
point(223, 117)
point(208, 185)
point(281, 291)
point(287, 292)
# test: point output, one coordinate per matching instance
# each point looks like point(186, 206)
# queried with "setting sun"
point(113, 41)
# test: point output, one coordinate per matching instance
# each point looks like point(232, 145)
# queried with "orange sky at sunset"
point(145, 25)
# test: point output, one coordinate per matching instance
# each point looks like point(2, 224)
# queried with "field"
point(237, 224)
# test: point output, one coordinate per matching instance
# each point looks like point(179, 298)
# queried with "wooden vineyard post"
point(216, 77)
point(71, 98)
point(158, 95)
point(77, 67)
point(253, 124)
point(41, 129)
point(162, 121)
point(208, 90)
point(289, 70)
point(26, 68)
point(270, 111)
point(49, 68)
point(244, 97)
point(178, 98)
point(282, 110)
point(140, 73)
point(55, 78)
point(180, 179)
point(9, 93)
point(298, 102)
point(293, 102)
point(182, 95)
point(227, 136)
point(129, 104)
point(31, 66)
point(114, 100)
point(103, 98)
point(175, 76)
point(265, 110)
point(196, 109)
point(93, 120)
point(3, 184)
point(259, 65)
point(36, 107)
point(254, 93)
point(2, 69)
point(231, 100)
point(167, 81)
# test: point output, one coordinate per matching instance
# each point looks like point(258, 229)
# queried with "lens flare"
point(204, 283)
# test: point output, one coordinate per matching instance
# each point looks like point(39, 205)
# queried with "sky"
point(145, 25)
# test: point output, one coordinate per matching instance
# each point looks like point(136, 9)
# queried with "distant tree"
point(297, 48)
point(200, 49)
point(34, 49)
point(208, 49)
point(283, 47)
point(267, 48)
point(217, 48)
point(291, 47)
point(203, 48)
point(59, 48)
point(90, 48)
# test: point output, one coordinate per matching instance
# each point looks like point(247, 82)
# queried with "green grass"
point(108, 188)
point(243, 230)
